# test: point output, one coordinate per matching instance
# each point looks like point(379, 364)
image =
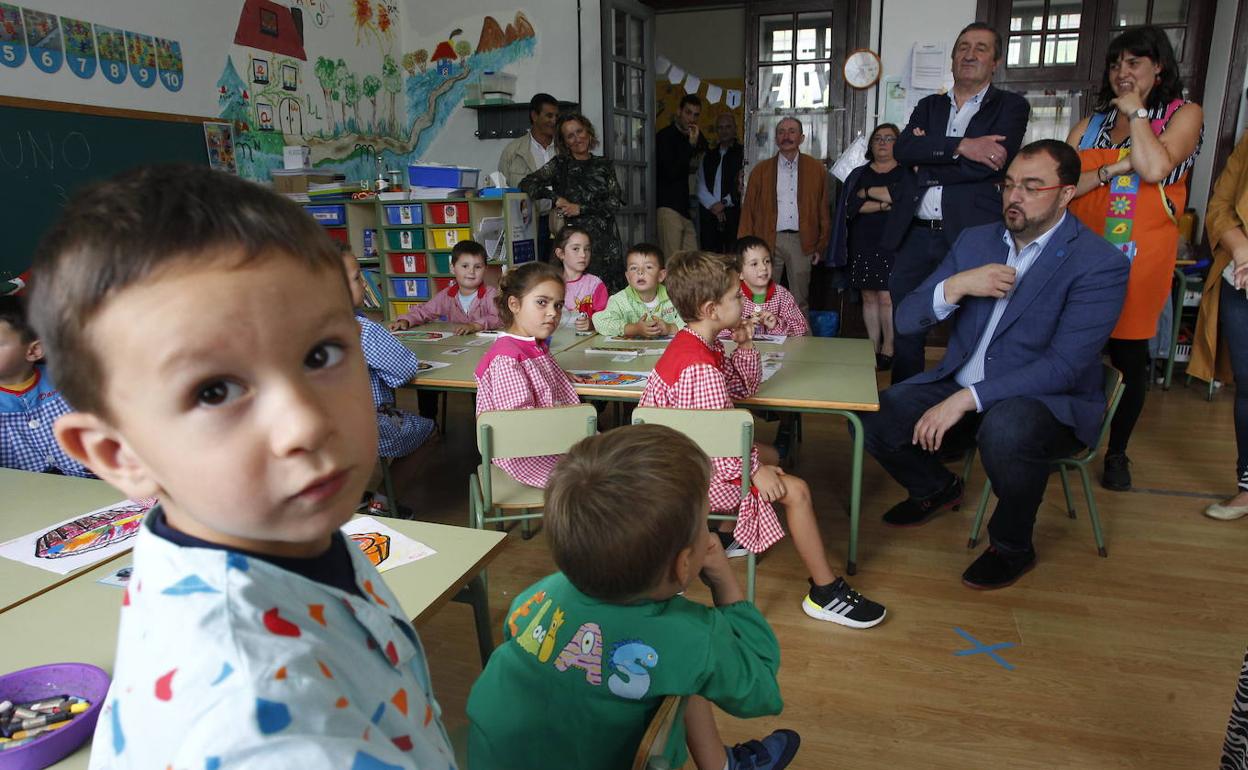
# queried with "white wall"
point(551, 69)
point(1215, 87)
point(710, 43)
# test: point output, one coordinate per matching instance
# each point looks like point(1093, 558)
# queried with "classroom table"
point(29, 502)
point(78, 621)
point(820, 375)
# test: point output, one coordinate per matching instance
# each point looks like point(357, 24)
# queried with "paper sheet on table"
point(770, 339)
point(428, 366)
point(770, 368)
point(603, 378)
point(422, 335)
point(626, 338)
point(385, 547)
point(82, 540)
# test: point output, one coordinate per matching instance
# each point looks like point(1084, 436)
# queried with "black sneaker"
point(998, 569)
point(839, 603)
point(732, 549)
point(914, 511)
point(1117, 473)
point(774, 752)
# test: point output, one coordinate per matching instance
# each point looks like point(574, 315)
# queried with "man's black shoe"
point(998, 569)
point(913, 511)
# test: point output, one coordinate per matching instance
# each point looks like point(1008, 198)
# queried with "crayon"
point(5, 707)
point(78, 708)
point(24, 734)
point(44, 719)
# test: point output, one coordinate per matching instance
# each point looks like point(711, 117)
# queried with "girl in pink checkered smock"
point(518, 372)
point(694, 373)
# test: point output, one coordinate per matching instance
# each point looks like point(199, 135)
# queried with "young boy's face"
point(355, 279)
point(469, 272)
point(17, 357)
point(644, 274)
point(239, 397)
point(756, 268)
point(726, 312)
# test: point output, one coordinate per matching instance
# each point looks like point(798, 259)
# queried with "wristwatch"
point(1140, 113)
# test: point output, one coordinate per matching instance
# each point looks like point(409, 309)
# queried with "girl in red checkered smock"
point(518, 371)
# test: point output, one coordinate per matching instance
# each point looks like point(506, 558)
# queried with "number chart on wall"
point(49, 43)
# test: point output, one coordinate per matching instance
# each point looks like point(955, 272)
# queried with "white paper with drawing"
point(82, 540)
point(385, 547)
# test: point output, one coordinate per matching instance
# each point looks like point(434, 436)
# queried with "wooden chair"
point(654, 741)
point(495, 497)
point(1079, 461)
point(719, 433)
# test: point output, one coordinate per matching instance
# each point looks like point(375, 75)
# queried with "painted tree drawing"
point(232, 96)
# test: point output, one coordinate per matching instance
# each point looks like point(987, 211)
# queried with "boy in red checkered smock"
point(694, 373)
point(518, 372)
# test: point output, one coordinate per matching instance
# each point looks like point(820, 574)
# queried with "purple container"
point(81, 679)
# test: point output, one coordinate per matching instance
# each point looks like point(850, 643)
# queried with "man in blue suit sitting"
point(1034, 300)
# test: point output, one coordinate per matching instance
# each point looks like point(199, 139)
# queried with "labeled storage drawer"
point(448, 213)
point(329, 213)
point(442, 284)
point(340, 234)
point(441, 263)
point(409, 263)
point(447, 237)
point(405, 239)
point(404, 214)
point(402, 308)
point(409, 288)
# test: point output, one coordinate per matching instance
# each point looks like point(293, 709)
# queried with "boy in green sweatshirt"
point(642, 308)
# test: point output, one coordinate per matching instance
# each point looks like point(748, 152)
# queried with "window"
point(1055, 50)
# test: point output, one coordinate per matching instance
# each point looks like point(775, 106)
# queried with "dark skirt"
point(870, 269)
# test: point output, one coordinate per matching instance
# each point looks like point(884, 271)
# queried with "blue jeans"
point(1233, 324)
point(920, 254)
point(1018, 440)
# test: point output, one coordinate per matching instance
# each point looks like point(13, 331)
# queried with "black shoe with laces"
point(1117, 473)
point(838, 603)
point(914, 511)
point(774, 752)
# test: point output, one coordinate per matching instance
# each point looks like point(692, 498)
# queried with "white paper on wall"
point(692, 82)
point(675, 75)
point(733, 99)
point(713, 93)
point(661, 65)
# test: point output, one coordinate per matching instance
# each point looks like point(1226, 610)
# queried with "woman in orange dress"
point(1137, 149)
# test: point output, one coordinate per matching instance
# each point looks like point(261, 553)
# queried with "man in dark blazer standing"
point(1033, 301)
point(956, 146)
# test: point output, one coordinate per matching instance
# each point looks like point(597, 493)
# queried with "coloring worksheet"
point(383, 546)
point(80, 541)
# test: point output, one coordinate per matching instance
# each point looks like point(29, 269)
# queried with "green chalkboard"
point(48, 150)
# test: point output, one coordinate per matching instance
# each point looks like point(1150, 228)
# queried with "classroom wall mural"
point(350, 109)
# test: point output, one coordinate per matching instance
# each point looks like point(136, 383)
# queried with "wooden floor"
point(1123, 662)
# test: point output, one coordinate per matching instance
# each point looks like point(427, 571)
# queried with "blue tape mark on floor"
point(987, 649)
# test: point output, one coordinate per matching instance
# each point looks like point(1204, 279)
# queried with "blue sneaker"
point(771, 753)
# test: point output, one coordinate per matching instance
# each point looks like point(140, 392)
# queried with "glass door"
point(628, 107)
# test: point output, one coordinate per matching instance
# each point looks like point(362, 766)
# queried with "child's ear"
point(706, 309)
point(513, 304)
point(662, 275)
point(97, 445)
point(34, 351)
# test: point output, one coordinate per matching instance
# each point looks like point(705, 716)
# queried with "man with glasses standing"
point(956, 146)
point(1033, 300)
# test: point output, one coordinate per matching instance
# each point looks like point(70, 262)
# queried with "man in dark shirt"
point(719, 188)
point(674, 149)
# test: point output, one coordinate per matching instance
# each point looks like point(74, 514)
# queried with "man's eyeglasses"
point(1030, 190)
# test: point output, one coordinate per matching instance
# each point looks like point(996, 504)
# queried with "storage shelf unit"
point(353, 222)
point(416, 238)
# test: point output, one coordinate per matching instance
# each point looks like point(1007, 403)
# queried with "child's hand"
point(768, 319)
point(718, 576)
point(769, 483)
point(582, 323)
point(743, 334)
point(651, 326)
point(466, 328)
point(670, 329)
point(399, 325)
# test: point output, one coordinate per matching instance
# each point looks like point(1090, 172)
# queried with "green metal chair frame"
point(520, 433)
point(714, 431)
point(1079, 461)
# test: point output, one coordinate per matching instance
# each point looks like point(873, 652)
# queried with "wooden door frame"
point(1224, 139)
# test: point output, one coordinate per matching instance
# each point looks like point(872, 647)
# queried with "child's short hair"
point(471, 248)
point(565, 234)
point(611, 543)
point(14, 314)
point(748, 242)
point(344, 248)
point(648, 250)
point(119, 232)
point(698, 277)
point(520, 281)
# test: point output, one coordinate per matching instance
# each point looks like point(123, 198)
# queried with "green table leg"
point(855, 489)
point(1174, 326)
